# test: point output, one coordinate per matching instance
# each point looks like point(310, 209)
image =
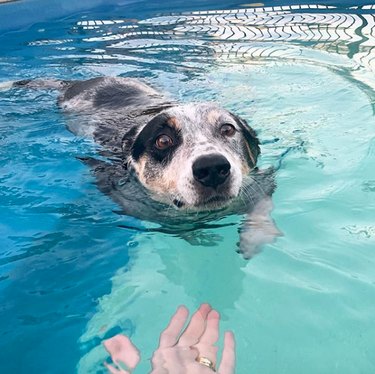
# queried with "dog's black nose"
point(211, 170)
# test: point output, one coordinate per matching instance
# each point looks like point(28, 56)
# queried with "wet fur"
point(121, 114)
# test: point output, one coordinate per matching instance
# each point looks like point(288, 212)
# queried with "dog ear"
point(128, 140)
point(251, 140)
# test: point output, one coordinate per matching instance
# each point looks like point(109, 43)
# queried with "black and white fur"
point(168, 162)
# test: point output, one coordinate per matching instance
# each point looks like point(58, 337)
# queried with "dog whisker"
point(160, 160)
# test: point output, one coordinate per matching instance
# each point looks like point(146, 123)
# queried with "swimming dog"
point(169, 162)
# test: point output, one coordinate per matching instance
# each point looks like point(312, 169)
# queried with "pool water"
point(73, 271)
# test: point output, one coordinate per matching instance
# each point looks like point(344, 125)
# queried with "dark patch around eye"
point(145, 142)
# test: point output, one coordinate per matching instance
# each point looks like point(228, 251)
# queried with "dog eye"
point(163, 142)
point(227, 129)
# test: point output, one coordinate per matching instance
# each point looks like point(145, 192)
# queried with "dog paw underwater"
point(168, 162)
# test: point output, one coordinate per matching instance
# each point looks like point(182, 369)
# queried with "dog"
point(169, 162)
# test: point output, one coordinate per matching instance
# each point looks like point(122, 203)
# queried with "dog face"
point(195, 156)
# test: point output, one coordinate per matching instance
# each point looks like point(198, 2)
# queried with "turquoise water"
point(72, 275)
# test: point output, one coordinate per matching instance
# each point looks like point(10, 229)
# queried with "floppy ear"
point(129, 138)
point(251, 140)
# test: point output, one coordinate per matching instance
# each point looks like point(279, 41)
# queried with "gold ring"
point(206, 362)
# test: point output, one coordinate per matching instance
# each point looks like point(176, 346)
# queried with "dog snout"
point(211, 170)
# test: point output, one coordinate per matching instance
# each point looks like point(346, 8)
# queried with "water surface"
point(71, 274)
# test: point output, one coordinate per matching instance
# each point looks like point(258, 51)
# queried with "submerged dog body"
point(167, 162)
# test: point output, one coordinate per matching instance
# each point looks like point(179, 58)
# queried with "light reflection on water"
point(304, 79)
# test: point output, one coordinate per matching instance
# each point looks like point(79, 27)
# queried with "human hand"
point(191, 352)
point(123, 353)
point(180, 352)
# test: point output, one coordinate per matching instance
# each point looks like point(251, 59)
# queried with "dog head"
point(194, 156)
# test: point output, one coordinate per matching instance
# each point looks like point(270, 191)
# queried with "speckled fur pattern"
point(122, 115)
point(125, 117)
point(199, 125)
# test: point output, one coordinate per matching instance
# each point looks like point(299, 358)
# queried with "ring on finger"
point(206, 362)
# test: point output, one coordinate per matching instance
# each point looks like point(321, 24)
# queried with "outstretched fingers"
point(206, 345)
point(196, 327)
point(211, 334)
point(228, 359)
point(169, 336)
